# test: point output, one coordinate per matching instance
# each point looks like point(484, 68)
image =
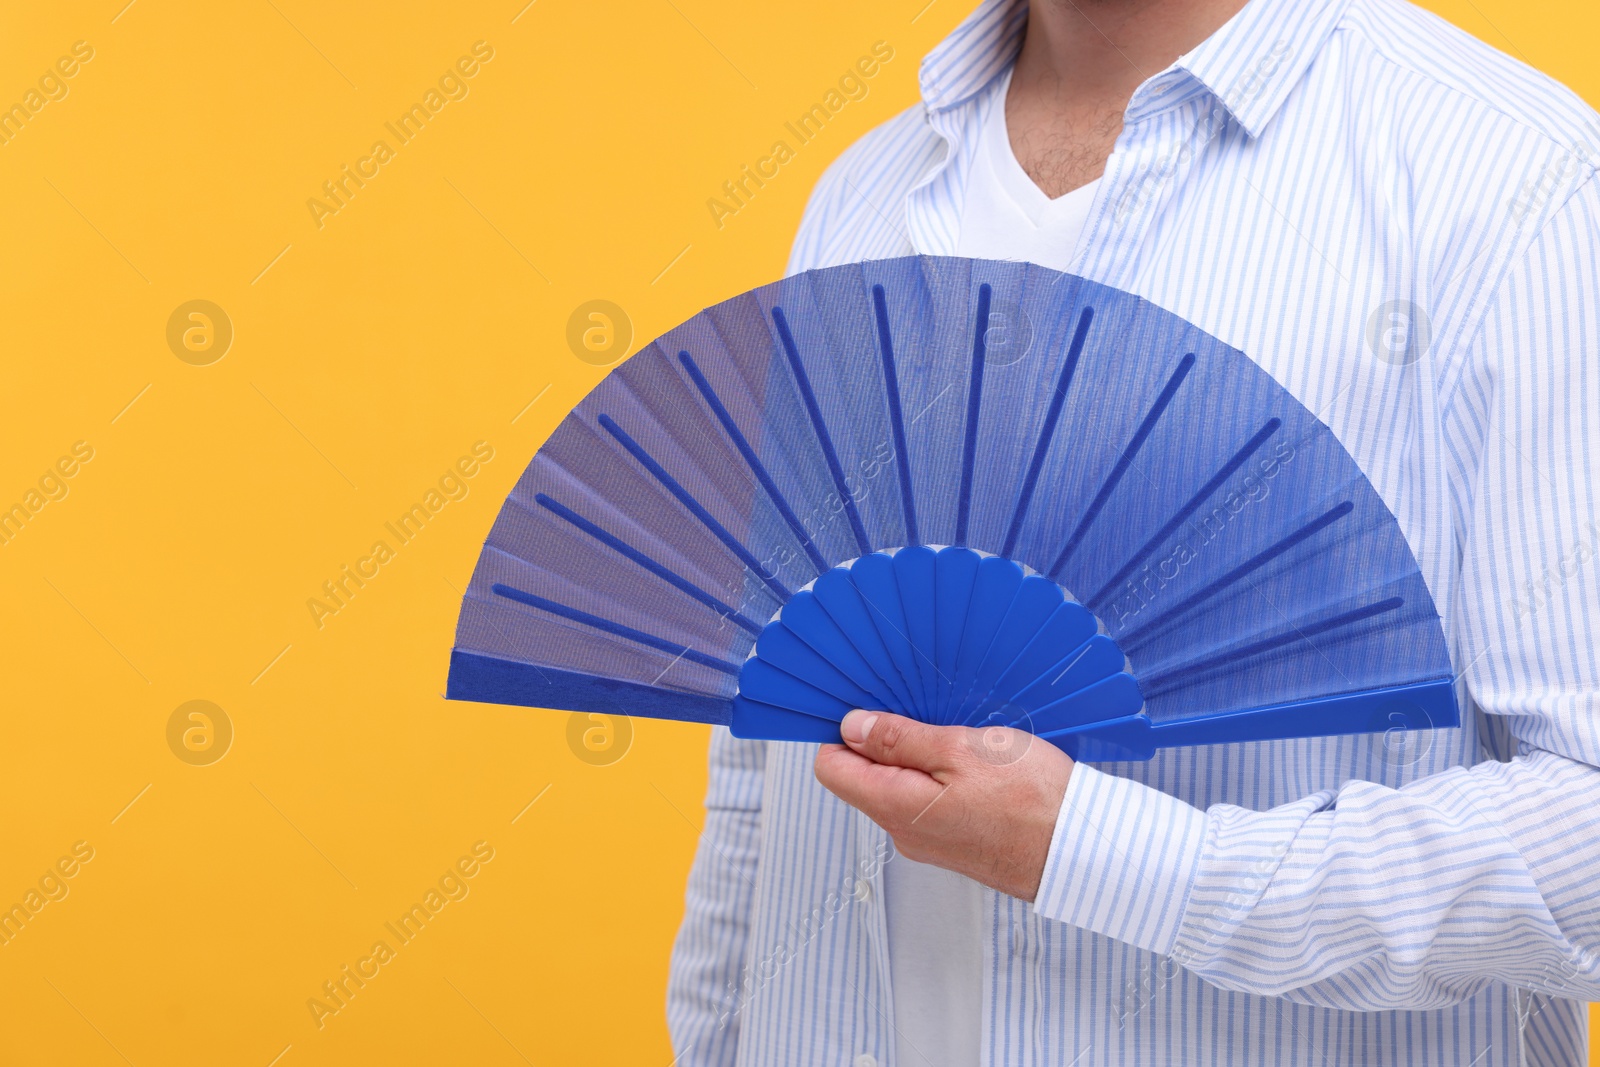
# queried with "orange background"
point(372, 347)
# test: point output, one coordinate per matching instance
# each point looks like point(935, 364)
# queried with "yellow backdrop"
point(243, 343)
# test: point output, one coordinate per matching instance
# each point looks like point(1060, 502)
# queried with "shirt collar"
point(1250, 64)
point(983, 46)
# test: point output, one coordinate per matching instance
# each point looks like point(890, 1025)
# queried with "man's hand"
point(980, 802)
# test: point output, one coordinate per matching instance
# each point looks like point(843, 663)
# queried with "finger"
point(901, 742)
point(890, 796)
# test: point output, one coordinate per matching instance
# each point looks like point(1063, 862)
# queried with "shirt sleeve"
point(1370, 897)
point(841, 210)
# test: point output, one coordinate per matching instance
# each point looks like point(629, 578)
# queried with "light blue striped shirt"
point(1307, 183)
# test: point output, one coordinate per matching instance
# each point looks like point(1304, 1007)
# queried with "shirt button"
point(866, 1059)
point(863, 890)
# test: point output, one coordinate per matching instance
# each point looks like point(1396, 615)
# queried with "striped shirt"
point(1402, 226)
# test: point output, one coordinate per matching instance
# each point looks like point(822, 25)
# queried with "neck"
point(1081, 60)
point(1094, 53)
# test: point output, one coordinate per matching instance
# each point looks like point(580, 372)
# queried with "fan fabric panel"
point(1226, 541)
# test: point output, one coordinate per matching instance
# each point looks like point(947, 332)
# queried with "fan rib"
point(846, 605)
point(1428, 705)
point(779, 646)
point(1126, 459)
point(1188, 509)
point(1114, 697)
point(1297, 633)
point(1068, 627)
point(995, 590)
point(955, 572)
point(891, 381)
point(1047, 432)
point(969, 448)
point(617, 628)
point(1267, 555)
point(667, 575)
point(914, 575)
point(695, 507)
point(1037, 598)
point(1072, 660)
point(771, 684)
point(489, 679)
point(803, 382)
point(756, 466)
point(808, 619)
point(874, 579)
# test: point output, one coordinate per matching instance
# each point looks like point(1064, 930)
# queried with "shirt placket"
point(872, 853)
point(1155, 153)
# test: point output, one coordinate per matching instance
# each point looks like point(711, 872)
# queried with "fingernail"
point(857, 725)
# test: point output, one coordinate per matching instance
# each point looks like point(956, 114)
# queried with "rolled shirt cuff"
point(1122, 860)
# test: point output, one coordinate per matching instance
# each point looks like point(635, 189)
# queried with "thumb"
point(897, 741)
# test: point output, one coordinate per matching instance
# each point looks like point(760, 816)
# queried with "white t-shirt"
point(936, 917)
point(1007, 216)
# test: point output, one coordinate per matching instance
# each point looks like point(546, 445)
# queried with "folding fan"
point(965, 491)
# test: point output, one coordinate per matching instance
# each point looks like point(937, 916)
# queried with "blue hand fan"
point(966, 491)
